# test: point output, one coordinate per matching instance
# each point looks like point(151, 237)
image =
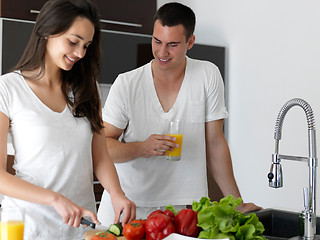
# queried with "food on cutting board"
point(116, 229)
point(105, 235)
point(206, 220)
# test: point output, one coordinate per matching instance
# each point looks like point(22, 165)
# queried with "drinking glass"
point(11, 224)
point(175, 130)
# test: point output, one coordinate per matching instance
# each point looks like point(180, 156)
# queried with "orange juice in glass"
point(175, 130)
point(11, 224)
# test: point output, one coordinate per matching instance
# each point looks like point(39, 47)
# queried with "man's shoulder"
point(137, 71)
point(133, 78)
point(201, 63)
point(202, 66)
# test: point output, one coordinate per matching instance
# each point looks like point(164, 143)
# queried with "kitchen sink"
point(280, 224)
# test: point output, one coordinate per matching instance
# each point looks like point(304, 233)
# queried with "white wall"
point(273, 55)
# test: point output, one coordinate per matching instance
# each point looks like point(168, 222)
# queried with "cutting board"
point(90, 233)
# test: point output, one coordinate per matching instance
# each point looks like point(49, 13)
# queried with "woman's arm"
point(106, 173)
point(14, 187)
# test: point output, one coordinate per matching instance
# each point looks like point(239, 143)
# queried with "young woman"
point(51, 106)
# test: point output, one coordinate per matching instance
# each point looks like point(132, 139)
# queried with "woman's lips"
point(71, 59)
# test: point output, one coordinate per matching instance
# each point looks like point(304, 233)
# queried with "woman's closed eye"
point(72, 43)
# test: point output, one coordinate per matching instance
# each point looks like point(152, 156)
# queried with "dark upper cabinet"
point(21, 9)
point(127, 15)
point(15, 36)
point(134, 16)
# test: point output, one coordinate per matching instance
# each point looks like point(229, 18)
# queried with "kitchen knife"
point(88, 223)
point(93, 225)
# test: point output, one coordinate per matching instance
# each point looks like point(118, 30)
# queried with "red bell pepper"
point(158, 226)
point(186, 223)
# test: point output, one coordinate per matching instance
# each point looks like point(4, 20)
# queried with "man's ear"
point(191, 41)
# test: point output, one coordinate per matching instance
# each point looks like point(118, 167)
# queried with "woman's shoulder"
point(10, 78)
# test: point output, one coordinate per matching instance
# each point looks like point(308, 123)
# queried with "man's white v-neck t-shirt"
point(133, 105)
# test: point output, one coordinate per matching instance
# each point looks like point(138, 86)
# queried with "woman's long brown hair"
point(56, 17)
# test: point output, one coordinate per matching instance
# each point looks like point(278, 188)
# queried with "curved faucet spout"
point(275, 175)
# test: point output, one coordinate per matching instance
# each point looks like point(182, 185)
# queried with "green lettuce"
point(221, 220)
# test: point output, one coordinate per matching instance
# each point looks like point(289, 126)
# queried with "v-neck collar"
point(155, 97)
point(37, 98)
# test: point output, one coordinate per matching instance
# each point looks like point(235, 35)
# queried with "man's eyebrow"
point(167, 43)
point(156, 38)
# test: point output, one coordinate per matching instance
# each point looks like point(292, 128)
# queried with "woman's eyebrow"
point(78, 36)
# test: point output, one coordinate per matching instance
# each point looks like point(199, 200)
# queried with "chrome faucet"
point(307, 216)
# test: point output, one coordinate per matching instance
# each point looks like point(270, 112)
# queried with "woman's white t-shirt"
point(53, 151)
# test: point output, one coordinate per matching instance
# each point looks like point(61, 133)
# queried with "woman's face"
point(64, 50)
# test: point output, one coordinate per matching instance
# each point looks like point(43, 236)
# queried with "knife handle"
point(88, 223)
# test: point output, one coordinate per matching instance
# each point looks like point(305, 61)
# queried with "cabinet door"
point(21, 9)
point(123, 52)
point(122, 15)
point(15, 36)
point(127, 15)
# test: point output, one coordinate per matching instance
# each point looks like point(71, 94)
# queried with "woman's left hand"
point(122, 205)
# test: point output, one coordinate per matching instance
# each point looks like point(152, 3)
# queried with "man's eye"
point(173, 45)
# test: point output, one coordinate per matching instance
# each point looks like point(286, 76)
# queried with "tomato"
point(141, 221)
point(134, 230)
point(103, 236)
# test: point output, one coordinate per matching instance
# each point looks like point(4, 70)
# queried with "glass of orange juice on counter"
point(175, 130)
point(11, 224)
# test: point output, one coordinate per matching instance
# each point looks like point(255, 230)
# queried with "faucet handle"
point(306, 198)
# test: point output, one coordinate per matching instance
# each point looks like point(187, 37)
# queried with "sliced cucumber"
point(116, 229)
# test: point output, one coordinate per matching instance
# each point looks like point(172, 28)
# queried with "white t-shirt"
point(133, 105)
point(52, 150)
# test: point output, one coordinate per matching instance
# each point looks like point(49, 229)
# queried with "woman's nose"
point(80, 52)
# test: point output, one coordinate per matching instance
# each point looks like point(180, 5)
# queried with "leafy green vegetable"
point(171, 208)
point(221, 220)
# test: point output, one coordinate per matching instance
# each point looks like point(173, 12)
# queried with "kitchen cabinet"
point(123, 52)
point(121, 15)
point(15, 36)
point(135, 16)
point(21, 9)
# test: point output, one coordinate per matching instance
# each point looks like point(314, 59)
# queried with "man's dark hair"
point(173, 14)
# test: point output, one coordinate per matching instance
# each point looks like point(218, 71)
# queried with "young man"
point(142, 101)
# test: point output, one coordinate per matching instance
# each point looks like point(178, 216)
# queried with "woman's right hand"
point(70, 212)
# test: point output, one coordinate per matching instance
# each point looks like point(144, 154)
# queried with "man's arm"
point(220, 164)
point(155, 145)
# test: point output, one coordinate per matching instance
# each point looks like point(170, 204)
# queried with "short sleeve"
point(114, 111)
point(4, 98)
point(215, 103)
